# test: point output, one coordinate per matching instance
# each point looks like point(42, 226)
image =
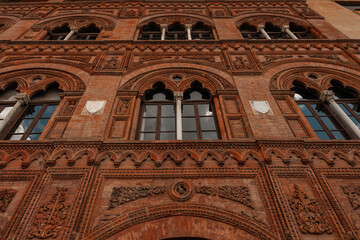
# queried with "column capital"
point(326, 95)
point(260, 26)
point(162, 26)
point(285, 27)
point(73, 29)
point(22, 98)
point(178, 95)
point(188, 26)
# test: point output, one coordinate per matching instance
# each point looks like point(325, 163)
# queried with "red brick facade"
point(88, 176)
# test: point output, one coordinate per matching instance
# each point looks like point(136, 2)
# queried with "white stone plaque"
point(94, 107)
point(260, 106)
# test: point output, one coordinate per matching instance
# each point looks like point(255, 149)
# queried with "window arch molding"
point(33, 80)
point(6, 23)
point(175, 17)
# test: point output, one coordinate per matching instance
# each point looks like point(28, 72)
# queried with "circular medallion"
point(181, 191)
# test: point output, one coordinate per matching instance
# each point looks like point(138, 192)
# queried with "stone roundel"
point(181, 191)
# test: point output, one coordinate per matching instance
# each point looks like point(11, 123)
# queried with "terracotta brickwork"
point(89, 176)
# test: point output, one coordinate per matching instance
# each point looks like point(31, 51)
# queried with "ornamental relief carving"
point(6, 196)
point(308, 213)
point(51, 216)
point(180, 191)
point(353, 194)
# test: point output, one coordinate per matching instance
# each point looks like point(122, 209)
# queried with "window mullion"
point(197, 120)
point(34, 121)
point(317, 117)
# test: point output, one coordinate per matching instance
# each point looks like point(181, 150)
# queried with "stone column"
point(178, 99)
point(21, 99)
point(163, 28)
point(261, 28)
point(328, 96)
point(70, 34)
point(188, 30)
point(287, 30)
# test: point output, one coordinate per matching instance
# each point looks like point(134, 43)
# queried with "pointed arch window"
point(198, 118)
point(58, 33)
point(322, 118)
point(150, 31)
point(35, 116)
point(163, 118)
point(7, 100)
point(158, 115)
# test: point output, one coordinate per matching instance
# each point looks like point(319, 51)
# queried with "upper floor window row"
point(272, 31)
point(176, 31)
point(64, 32)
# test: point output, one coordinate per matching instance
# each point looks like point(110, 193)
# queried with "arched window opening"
point(201, 31)
point(176, 31)
point(150, 31)
point(7, 100)
point(90, 32)
point(250, 32)
point(36, 115)
point(321, 117)
point(300, 32)
point(348, 100)
point(198, 115)
point(58, 33)
point(275, 32)
point(158, 114)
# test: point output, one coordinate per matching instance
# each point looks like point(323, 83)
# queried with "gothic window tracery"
point(64, 32)
point(150, 32)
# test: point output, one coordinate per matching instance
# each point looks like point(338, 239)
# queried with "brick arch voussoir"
point(169, 18)
point(282, 75)
point(219, 78)
point(152, 213)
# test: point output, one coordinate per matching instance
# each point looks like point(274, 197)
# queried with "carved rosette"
point(181, 191)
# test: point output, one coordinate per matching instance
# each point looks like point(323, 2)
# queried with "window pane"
point(207, 123)
point(355, 121)
point(167, 124)
point(40, 125)
point(195, 95)
point(14, 137)
point(204, 110)
point(150, 111)
point(33, 137)
point(49, 111)
point(319, 108)
point(188, 110)
point(159, 97)
point(209, 135)
point(5, 112)
point(329, 124)
point(147, 136)
point(322, 135)
point(355, 107)
point(314, 123)
point(167, 110)
point(305, 110)
point(189, 124)
point(32, 111)
point(23, 126)
point(167, 136)
point(148, 125)
point(190, 135)
point(338, 135)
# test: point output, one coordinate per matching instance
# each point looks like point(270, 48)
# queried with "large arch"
point(151, 213)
